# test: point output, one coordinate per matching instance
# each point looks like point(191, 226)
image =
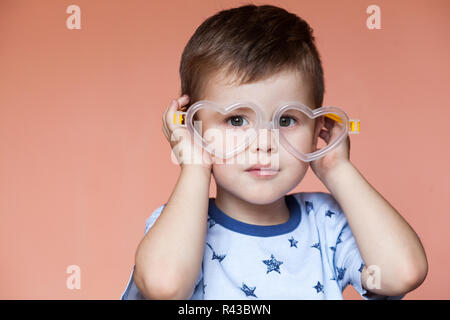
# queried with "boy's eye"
point(236, 121)
point(287, 121)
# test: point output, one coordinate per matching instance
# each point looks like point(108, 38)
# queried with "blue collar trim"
point(256, 230)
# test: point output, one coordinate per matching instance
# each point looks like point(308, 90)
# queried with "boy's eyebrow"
point(275, 106)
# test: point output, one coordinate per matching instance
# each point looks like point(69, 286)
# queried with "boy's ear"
point(319, 124)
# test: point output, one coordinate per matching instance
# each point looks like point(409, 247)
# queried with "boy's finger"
point(165, 131)
point(169, 115)
point(183, 100)
point(164, 115)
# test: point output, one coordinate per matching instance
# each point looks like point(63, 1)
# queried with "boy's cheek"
point(224, 170)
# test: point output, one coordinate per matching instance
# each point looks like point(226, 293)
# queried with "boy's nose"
point(266, 140)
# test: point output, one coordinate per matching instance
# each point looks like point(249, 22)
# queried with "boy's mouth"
point(259, 170)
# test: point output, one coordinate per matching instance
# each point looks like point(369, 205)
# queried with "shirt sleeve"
point(132, 292)
point(348, 263)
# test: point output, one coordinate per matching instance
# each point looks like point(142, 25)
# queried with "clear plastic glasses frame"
point(348, 126)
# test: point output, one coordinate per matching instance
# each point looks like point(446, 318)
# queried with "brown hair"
point(251, 43)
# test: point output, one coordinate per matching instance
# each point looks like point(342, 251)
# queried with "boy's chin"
point(262, 196)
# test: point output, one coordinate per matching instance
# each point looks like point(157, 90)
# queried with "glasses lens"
point(298, 129)
point(225, 133)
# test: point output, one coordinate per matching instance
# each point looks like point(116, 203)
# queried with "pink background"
point(83, 159)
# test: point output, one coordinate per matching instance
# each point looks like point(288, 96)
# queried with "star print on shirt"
point(341, 272)
point(339, 240)
point(361, 267)
point(293, 242)
point(318, 287)
point(216, 256)
point(211, 222)
point(316, 245)
point(248, 291)
point(309, 206)
point(329, 213)
point(273, 264)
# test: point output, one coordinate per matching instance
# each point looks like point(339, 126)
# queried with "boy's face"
point(233, 176)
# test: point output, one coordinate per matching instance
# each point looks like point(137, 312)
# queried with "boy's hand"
point(183, 146)
point(325, 165)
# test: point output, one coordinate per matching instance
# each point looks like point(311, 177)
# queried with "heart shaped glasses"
point(226, 130)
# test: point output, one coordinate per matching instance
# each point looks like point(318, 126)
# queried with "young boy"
point(255, 241)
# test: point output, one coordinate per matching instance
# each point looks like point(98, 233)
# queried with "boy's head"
point(249, 44)
point(262, 54)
